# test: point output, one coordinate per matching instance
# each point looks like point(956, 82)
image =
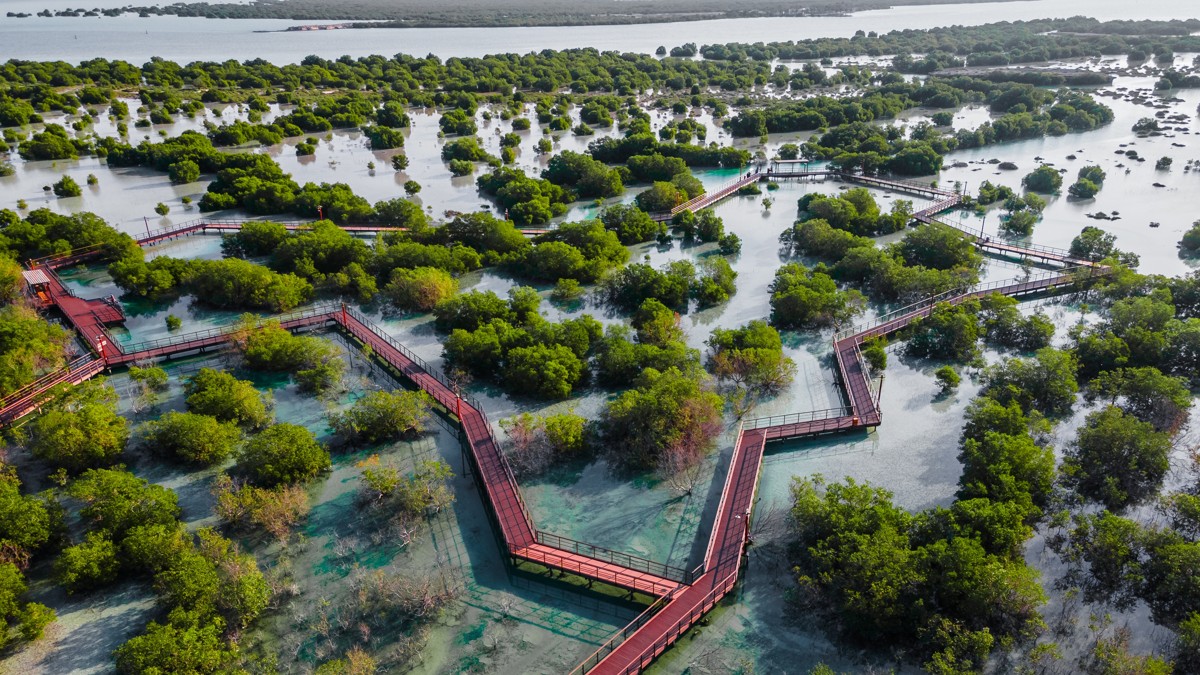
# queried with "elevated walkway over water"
point(683, 596)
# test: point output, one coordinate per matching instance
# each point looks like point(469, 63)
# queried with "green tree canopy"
point(664, 412)
point(1117, 459)
point(189, 437)
point(228, 399)
point(281, 454)
point(1044, 179)
point(81, 430)
point(382, 415)
point(804, 298)
point(421, 288)
point(116, 501)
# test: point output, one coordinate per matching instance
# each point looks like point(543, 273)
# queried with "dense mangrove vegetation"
point(560, 300)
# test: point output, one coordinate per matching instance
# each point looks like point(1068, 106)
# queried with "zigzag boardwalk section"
point(87, 317)
point(632, 649)
point(502, 495)
point(683, 596)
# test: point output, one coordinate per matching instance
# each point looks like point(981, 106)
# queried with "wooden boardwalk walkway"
point(502, 494)
point(205, 226)
point(632, 649)
point(946, 199)
point(684, 596)
point(707, 199)
point(87, 317)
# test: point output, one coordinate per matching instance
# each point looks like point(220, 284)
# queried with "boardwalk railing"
point(948, 199)
point(908, 185)
point(716, 195)
point(436, 373)
point(616, 640)
point(726, 489)
point(972, 232)
point(665, 640)
point(20, 403)
point(34, 400)
point(57, 280)
point(501, 457)
point(225, 330)
point(202, 225)
point(960, 293)
point(632, 562)
point(206, 222)
point(930, 212)
point(1026, 249)
point(797, 418)
point(46, 380)
point(61, 259)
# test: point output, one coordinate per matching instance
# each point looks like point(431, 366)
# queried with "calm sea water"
point(189, 39)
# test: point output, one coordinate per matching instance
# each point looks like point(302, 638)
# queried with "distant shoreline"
point(517, 15)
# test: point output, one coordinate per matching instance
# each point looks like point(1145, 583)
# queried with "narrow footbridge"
point(200, 226)
point(683, 596)
point(946, 198)
point(212, 226)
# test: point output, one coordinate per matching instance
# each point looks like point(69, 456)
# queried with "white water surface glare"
point(187, 39)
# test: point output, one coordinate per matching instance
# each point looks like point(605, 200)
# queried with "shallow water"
point(513, 623)
point(192, 39)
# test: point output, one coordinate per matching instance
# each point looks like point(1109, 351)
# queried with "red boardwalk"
point(722, 561)
point(221, 226)
point(88, 317)
point(502, 493)
point(684, 596)
point(946, 199)
point(31, 397)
